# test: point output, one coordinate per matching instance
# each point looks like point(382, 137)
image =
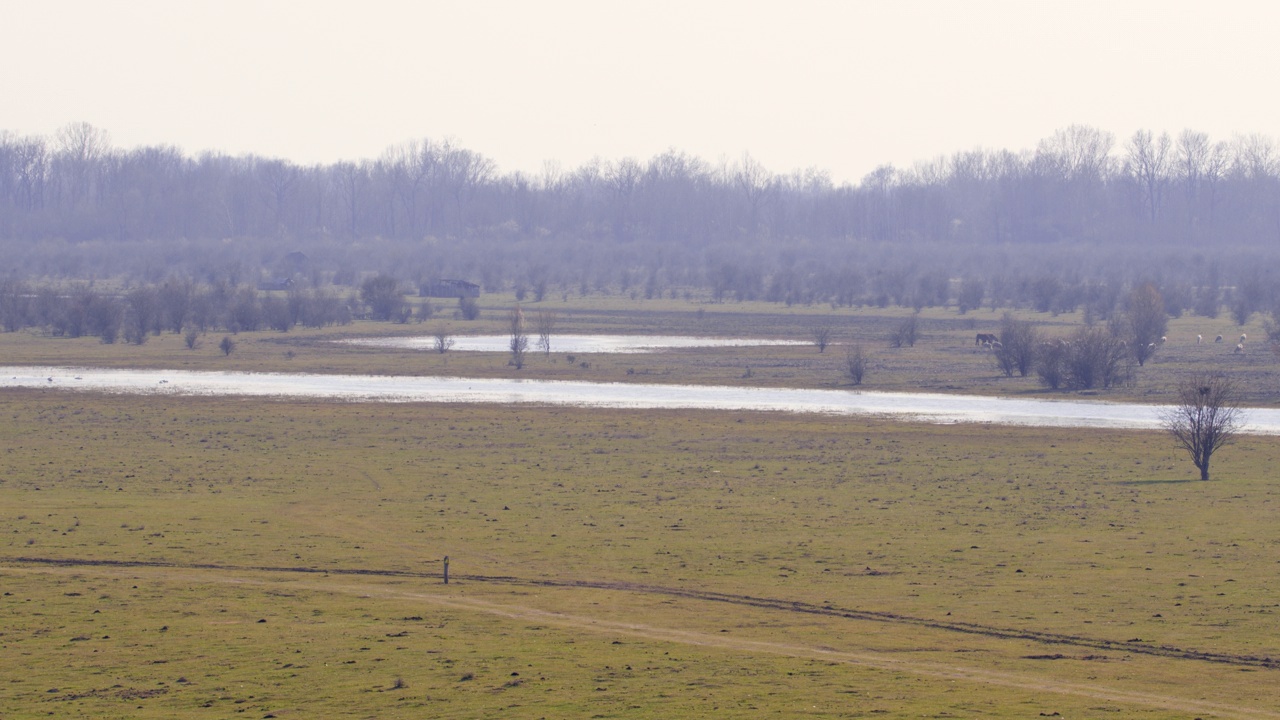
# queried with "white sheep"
point(1239, 347)
point(1218, 339)
point(1199, 339)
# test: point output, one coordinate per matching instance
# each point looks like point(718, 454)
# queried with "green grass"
point(943, 543)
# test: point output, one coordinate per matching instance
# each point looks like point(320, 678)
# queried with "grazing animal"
point(1163, 339)
point(1199, 339)
point(1243, 337)
point(985, 338)
point(1239, 347)
point(996, 345)
point(1218, 339)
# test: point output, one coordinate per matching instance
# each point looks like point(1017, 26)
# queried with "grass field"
point(210, 557)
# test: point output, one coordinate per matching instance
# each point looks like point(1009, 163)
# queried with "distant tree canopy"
point(1076, 185)
point(1072, 224)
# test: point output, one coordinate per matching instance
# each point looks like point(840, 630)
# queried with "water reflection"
point(577, 344)
point(915, 406)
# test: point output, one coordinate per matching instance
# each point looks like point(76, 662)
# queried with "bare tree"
point(855, 364)
point(80, 147)
point(1191, 162)
point(1206, 417)
point(545, 324)
point(971, 292)
point(756, 184)
point(227, 345)
point(821, 336)
point(463, 172)
point(443, 341)
point(353, 181)
point(1016, 349)
point(1150, 164)
point(906, 332)
point(1147, 321)
point(519, 344)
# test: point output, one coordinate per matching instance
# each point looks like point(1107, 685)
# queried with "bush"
point(1016, 351)
point(1094, 358)
point(382, 295)
point(468, 308)
point(855, 364)
point(906, 332)
point(1051, 363)
point(1147, 321)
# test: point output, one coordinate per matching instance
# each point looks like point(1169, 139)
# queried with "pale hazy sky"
point(843, 86)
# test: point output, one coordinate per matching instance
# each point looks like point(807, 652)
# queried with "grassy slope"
point(1114, 538)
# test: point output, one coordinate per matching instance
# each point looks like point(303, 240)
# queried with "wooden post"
point(446, 569)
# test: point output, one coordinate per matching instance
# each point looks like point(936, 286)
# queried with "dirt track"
point(993, 631)
point(227, 573)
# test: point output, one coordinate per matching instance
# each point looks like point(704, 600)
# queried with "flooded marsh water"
point(576, 344)
point(928, 407)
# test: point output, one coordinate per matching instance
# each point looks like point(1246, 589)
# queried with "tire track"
point(880, 661)
point(876, 660)
point(788, 606)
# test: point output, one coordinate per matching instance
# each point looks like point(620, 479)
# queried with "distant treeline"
point(1075, 221)
point(133, 316)
point(82, 310)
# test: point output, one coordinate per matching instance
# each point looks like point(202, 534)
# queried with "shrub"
point(906, 332)
point(1095, 358)
point(1016, 350)
point(855, 364)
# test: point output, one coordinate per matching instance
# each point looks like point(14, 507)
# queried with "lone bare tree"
point(821, 336)
point(545, 323)
point(443, 341)
point(855, 364)
point(1206, 417)
point(519, 344)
